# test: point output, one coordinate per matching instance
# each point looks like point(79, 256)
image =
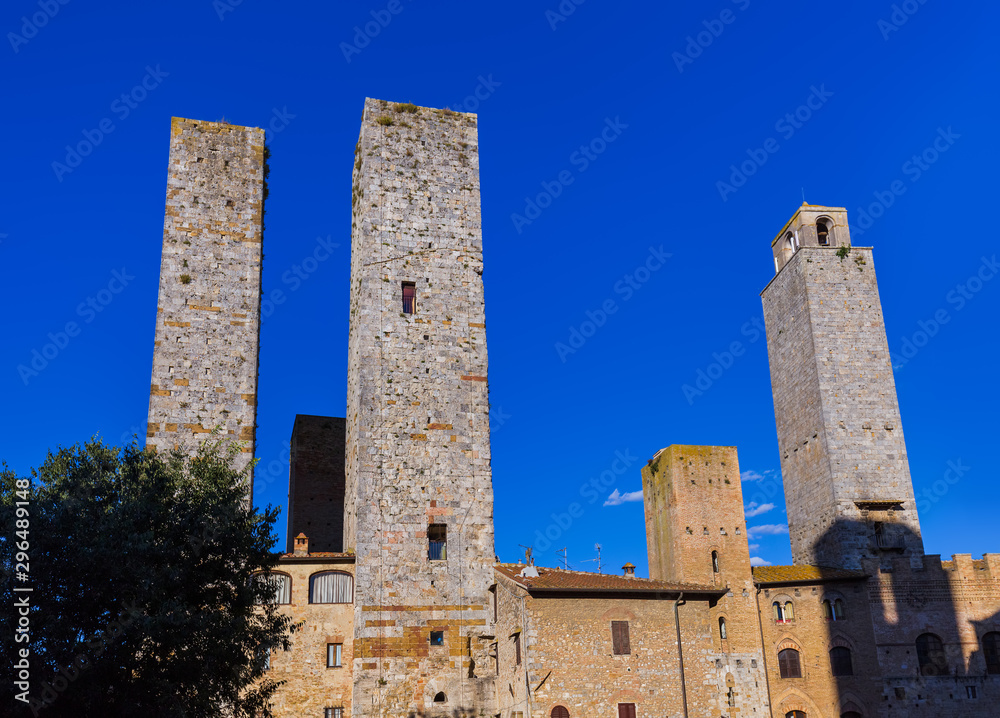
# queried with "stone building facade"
point(208, 311)
point(390, 565)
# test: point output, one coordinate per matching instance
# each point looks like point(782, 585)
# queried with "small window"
point(440, 697)
point(840, 661)
point(838, 610)
point(279, 587)
point(266, 658)
point(559, 712)
point(437, 542)
point(620, 638)
point(991, 651)
point(788, 663)
point(517, 649)
point(331, 587)
point(495, 590)
point(970, 692)
point(795, 714)
point(715, 561)
point(850, 714)
point(930, 655)
point(823, 233)
point(722, 628)
point(783, 613)
point(437, 638)
point(334, 655)
point(789, 611)
point(626, 710)
point(337, 712)
point(731, 698)
point(409, 298)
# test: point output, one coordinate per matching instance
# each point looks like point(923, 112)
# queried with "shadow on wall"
point(934, 632)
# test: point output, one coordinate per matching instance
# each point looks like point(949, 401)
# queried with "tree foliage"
point(144, 601)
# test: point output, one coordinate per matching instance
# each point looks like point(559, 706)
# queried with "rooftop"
point(557, 579)
point(804, 574)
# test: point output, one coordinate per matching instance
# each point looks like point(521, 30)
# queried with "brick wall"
point(316, 482)
point(207, 321)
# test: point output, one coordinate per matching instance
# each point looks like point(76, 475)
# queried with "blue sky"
point(831, 101)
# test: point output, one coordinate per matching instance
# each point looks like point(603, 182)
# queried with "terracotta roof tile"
point(810, 574)
point(557, 579)
point(316, 554)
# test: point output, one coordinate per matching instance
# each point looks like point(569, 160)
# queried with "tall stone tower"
point(695, 534)
point(208, 312)
point(843, 457)
point(419, 496)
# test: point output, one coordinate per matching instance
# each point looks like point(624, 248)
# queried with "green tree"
point(144, 601)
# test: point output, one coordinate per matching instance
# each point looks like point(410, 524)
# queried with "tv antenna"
point(564, 552)
point(527, 554)
point(598, 559)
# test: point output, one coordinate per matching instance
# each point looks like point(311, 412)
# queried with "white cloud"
point(755, 509)
point(617, 498)
point(758, 561)
point(754, 546)
point(767, 530)
point(751, 475)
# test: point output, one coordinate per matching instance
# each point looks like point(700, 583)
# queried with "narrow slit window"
point(437, 542)
point(715, 561)
point(409, 298)
point(517, 649)
point(334, 655)
point(722, 628)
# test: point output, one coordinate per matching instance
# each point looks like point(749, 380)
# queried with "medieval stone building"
point(390, 562)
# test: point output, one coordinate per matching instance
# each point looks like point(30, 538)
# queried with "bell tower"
point(843, 457)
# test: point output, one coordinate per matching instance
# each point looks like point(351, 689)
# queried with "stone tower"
point(695, 534)
point(843, 457)
point(208, 312)
point(419, 496)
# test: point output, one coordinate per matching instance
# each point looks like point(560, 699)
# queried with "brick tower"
point(843, 457)
point(419, 496)
point(695, 534)
point(208, 311)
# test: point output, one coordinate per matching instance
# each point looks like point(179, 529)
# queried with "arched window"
point(823, 233)
point(279, 587)
point(331, 587)
point(715, 561)
point(991, 651)
point(833, 609)
point(783, 612)
point(840, 661)
point(788, 247)
point(930, 655)
point(788, 663)
point(722, 628)
point(795, 714)
point(779, 613)
point(440, 697)
point(850, 714)
point(789, 611)
point(559, 712)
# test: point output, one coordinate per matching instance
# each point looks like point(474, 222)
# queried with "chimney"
point(301, 545)
point(629, 570)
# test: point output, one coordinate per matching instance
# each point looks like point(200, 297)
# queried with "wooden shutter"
point(619, 638)
point(626, 710)
point(517, 649)
point(560, 712)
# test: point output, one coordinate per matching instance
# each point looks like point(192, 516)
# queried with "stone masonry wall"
point(693, 502)
point(839, 429)
point(316, 482)
point(207, 322)
point(310, 686)
point(418, 448)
